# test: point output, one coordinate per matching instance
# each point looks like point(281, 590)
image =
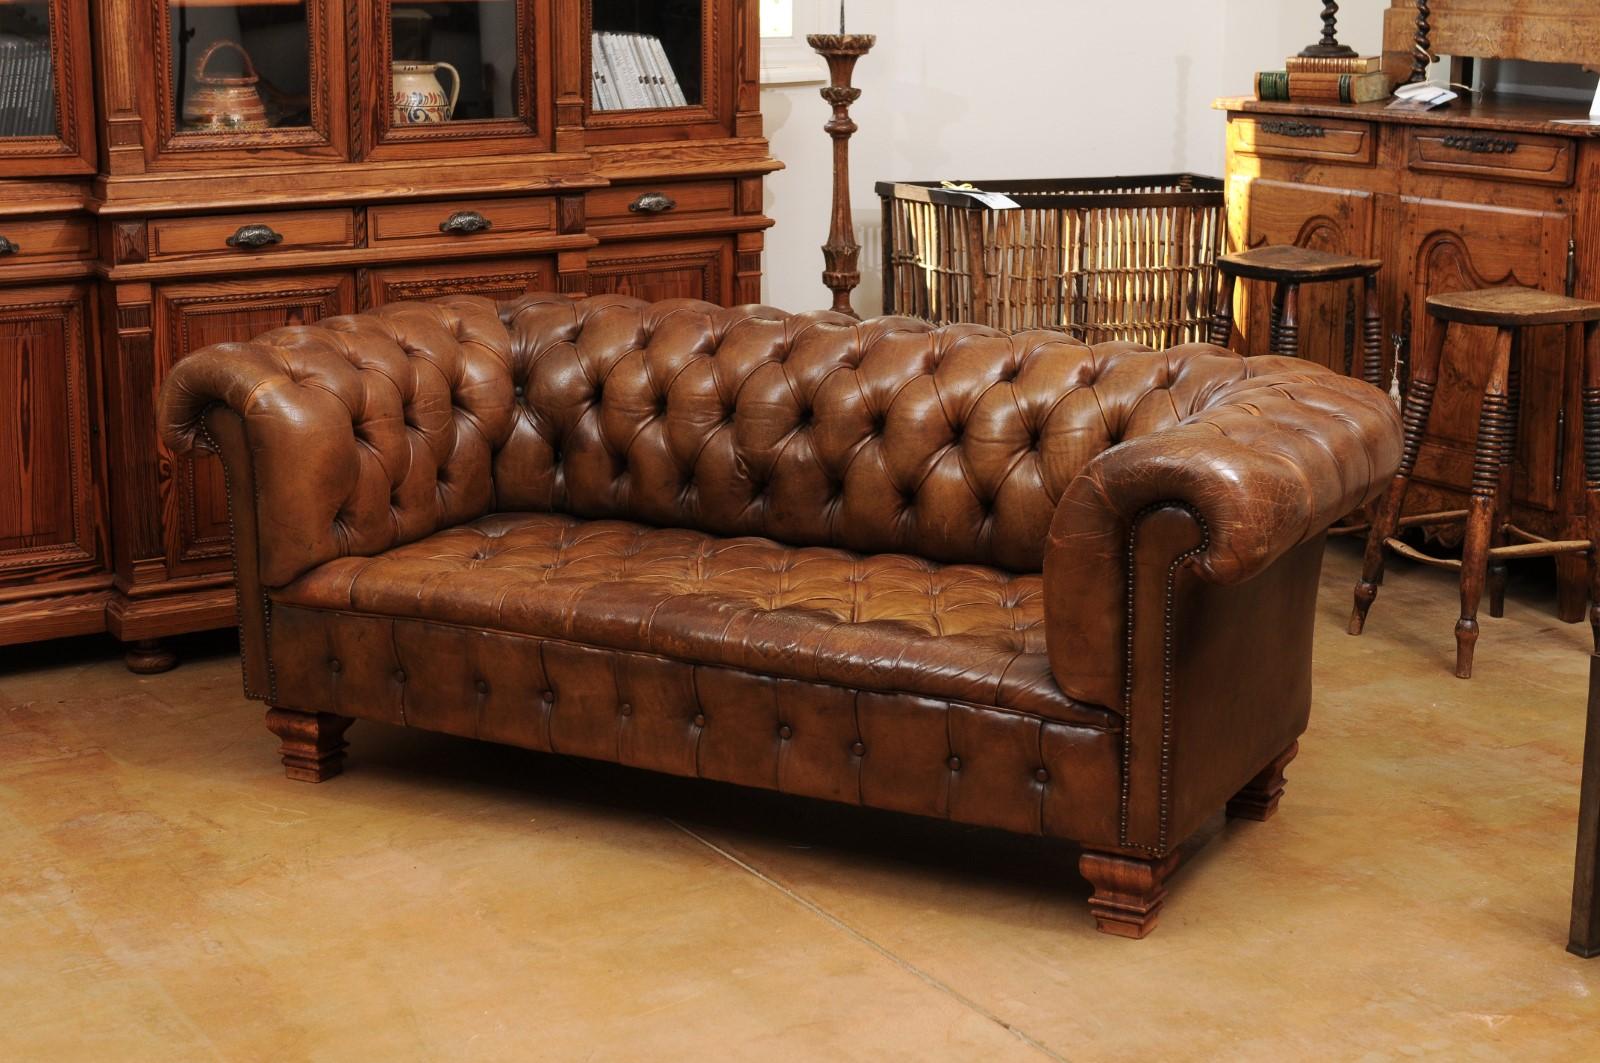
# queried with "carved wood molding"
point(1293, 128)
point(1480, 144)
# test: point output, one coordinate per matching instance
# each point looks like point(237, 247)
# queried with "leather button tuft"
point(483, 687)
point(521, 391)
point(859, 749)
point(336, 666)
point(955, 763)
point(549, 696)
point(700, 719)
point(626, 709)
point(786, 732)
point(1042, 775)
point(399, 676)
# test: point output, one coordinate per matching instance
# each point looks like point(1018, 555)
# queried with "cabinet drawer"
point(1320, 139)
point(1503, 156)
point(641, 204)
point(45, 239)
point(462, 219)
point(251, 234)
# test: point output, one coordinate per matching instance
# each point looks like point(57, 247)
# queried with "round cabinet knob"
point(465, 223)
point(253, 236)
point(653, 203)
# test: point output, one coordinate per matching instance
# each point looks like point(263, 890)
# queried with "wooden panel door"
point(494, 279)
point(51, 524)
point(665, 269)
point(1339, 220)
point(194, 501)
point(1453, 247)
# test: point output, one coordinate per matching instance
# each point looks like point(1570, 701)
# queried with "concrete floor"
point(166, 894)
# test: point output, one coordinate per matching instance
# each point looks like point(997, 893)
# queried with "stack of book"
point(1319, 80)
point(632, 72)
point(27, 87)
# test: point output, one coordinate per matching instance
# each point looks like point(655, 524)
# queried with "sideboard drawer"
point(251, 234)
point(1318, 139)
point(1503, 156)
point(45, 239)
point(461, 219)
point(640, 204)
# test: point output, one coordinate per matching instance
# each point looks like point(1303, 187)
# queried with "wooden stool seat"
point(1512, 308)
point(1489, 532)
point(1299, 265)
point(1287, 268)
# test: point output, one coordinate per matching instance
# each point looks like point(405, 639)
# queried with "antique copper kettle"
point(224, 103)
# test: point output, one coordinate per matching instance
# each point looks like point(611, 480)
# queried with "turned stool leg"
point(1222, 321)
point(1128, 891)
point(1493, 450)
point(1274, 340)
point(313, 743)
point(1498, 569)
point(1591, 467)
point(1418, 408)
point(1289, 322)
point(1371, 333)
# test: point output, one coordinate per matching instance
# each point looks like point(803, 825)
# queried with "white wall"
point(963, 90)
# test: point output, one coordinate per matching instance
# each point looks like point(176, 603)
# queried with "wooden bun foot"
point(313, 743)
point(1128, 891)
point(149, 657)
point(1259, 798)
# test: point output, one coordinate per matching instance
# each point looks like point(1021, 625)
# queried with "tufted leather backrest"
point(952, 444)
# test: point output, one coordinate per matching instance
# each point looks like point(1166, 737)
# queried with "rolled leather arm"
point(1266, 464)
point(350, 424)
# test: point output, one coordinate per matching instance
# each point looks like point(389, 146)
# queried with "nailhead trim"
point(1160, 848)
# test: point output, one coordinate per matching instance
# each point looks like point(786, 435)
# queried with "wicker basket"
point(1115, 258)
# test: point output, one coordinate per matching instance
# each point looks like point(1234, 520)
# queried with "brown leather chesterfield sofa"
point(1005, 580)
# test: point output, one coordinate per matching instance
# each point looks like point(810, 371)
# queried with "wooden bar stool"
point(1487, 516)
point(1287, 268)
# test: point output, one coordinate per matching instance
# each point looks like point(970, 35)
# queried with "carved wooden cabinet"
point(1484, 194)
point(200, 170)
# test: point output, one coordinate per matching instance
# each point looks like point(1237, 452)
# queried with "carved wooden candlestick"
point(1329, 47)
point(841, 255)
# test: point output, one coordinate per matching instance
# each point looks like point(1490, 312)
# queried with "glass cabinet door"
point(460, 68)
point(647, 55)
point(45, 122)
point(247, 74)
point(27, 71)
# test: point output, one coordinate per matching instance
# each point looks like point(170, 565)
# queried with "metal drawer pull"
point(1299, 130)
point(653, 203)
point(1481, 145)
point(255, 236)
point(9, 247)
point(465, 222)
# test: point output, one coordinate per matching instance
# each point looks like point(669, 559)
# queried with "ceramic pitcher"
point(418, 97)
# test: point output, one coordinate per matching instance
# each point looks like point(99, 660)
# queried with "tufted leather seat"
point(883, 622)
point(1009, 580)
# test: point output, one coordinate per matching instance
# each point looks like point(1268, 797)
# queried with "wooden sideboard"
point(1484, 193)
point(132, 238)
